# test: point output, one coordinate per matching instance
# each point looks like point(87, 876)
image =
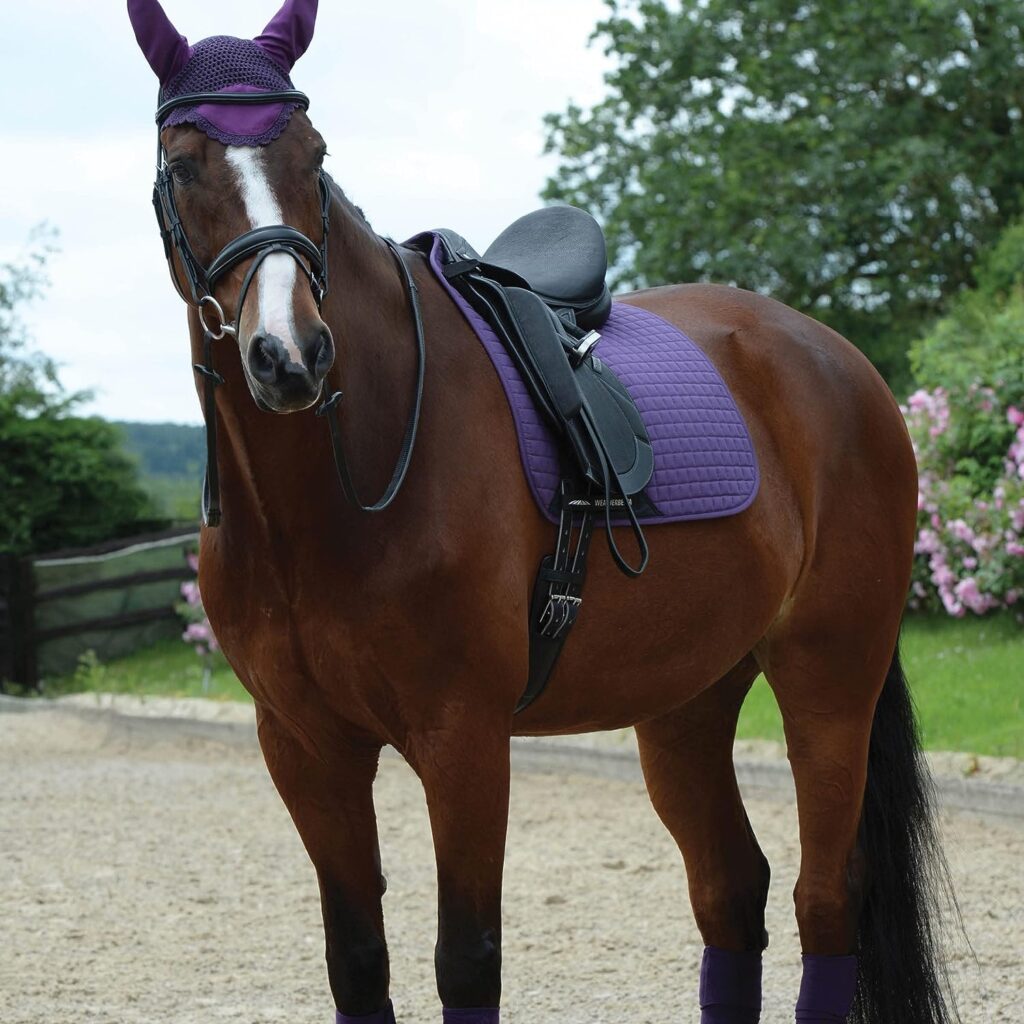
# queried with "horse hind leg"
point(688, 768)
point(865, 828)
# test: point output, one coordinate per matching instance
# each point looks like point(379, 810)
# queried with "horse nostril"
point(322, 356)
point(266, 358)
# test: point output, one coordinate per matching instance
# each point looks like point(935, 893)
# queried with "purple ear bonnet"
point(226, 64)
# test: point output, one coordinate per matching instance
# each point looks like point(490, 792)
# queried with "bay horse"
point(409, 627)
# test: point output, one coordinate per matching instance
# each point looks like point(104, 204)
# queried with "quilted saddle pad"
point(704, 461)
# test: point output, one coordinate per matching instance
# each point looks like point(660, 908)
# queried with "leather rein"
point(257, 245)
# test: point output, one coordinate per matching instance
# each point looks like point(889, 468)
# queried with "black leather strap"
point(329, 408)
point(252, 242)
point(211, 480)
point(231, 99)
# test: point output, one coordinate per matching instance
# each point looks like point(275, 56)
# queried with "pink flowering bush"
point(970, 542)
point(198, 631)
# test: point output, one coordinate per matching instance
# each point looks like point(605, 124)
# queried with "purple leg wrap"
point(385, 1016)
point(481, 1015)
point(827, 989)
point(730, 987)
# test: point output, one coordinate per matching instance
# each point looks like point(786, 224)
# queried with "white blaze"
point(275, 279)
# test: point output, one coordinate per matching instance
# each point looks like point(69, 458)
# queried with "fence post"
point(17, 618)
point(26, 670)
point(8, 569)
point(17, 650)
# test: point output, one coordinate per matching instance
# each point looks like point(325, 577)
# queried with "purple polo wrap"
point(483, 1015)
point(827, 989)
point(730, 987)
point(384, 1016)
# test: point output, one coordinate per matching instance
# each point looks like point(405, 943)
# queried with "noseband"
point(257, 245)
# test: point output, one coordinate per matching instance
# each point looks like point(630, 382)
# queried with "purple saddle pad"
point(704, 461)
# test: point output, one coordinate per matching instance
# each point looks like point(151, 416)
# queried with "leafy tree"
point(851, 158)
point(63, 478)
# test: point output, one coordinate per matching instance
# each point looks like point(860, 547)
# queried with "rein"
point(257, 245)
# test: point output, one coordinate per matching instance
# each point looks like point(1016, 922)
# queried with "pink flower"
point(952, 606)
point(919, 400)
point(1015, 416)
point(960, 530)
point(196, 632)
point(1015, 549)
point(1011, 597)
point(193, 561)
point(969, 594)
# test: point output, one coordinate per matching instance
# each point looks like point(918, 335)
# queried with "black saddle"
point(541, 287)
point(559, 253)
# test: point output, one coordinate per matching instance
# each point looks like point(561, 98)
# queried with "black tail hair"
point(902, 978)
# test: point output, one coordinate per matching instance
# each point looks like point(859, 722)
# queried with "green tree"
point(63, 478)
point(851, 159)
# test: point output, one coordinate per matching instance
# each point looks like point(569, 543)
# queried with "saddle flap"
point(611, 415)
point(541, 332)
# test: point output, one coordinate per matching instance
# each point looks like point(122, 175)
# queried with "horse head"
point(241, 196)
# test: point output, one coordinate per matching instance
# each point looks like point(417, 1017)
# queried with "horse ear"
point(165, 48)
point(289, 32)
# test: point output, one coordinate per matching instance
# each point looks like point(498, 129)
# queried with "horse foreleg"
point(330, 798)
point(464, 767)
point(688, 768)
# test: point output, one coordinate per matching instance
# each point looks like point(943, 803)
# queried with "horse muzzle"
point(287, 375)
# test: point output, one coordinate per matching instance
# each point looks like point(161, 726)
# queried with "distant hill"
point(170, 457)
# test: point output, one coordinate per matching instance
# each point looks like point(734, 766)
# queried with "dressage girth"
point(606, 454)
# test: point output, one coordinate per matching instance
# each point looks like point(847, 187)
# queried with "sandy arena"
point(152, 874)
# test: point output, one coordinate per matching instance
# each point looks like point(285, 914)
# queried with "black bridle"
point(257, 245)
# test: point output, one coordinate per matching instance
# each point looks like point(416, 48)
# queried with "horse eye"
point(181, 174)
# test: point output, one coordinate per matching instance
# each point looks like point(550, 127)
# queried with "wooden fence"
point(110, 599)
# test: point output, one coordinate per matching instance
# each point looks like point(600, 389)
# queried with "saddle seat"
point(559, 253)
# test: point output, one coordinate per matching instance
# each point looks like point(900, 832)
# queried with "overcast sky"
point(432, 112)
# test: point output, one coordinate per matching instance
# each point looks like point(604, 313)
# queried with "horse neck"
point(277, 470)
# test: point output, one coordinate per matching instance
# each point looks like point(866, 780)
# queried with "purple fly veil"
point(226, 64)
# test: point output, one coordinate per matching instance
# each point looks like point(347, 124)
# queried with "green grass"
point(967, 677)
point(167, 669)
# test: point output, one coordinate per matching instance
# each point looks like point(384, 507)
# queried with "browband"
point(196, 99)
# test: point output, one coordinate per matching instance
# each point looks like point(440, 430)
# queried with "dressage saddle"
point(559, 252)
point(541, 287)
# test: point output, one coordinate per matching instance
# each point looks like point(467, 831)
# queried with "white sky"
point(432, 112)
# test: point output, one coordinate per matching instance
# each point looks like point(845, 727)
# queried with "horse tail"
point(902, 977)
